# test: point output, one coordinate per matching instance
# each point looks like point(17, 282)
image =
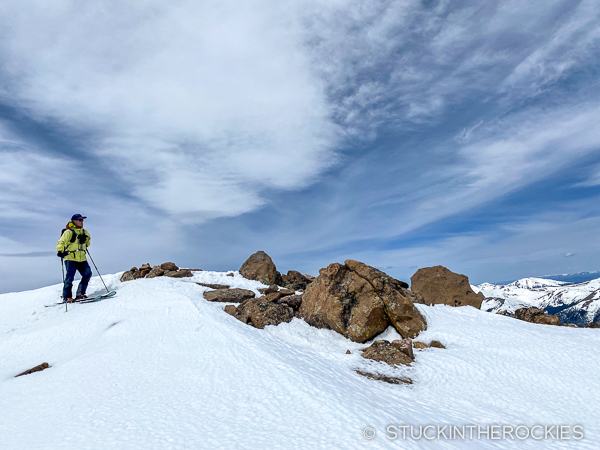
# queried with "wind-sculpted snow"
point(159, 367)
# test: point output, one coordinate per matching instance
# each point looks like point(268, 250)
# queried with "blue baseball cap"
point(78, 217)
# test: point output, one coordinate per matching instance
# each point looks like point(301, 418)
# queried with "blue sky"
point(404, 134)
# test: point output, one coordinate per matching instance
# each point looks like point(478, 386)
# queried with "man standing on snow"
point(72, 247)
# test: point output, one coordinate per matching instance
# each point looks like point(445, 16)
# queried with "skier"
point(72, 247)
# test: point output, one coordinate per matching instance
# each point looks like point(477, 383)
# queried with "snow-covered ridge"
point(158, 366)
point(578, 303)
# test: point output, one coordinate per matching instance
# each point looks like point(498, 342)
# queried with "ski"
point(91, 299)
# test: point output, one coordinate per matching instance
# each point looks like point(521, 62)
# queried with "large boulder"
point(229, 295)
point(260, 267)
point(359, 302)
point(259, 313)
point(169, 267)
point(295, 281)
point(438, 285)
point(536, 315)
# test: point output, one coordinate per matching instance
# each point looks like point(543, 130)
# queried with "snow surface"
point(158, 367)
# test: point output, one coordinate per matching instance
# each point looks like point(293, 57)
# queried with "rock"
point(310, 278)
point(259, 313)
point(285, 291)
point(156, 271)
point(438, 285)
point(504, 312)
point(295, 281)
point(420, 345)
point(229, 295)
point(348, 352)
point(359, 302)
point(214, 286)
point(293, 301)
point(260, 267)
point(196, 270)
point(436, 344)
point(169, 267)
point(182, 273)
point(37, 368)
point(144, 272)
point(230, 309)
point(592, 325)
point(145, 266)
point(571, 325)
point(405, 346)
point(229, 275)
point(536, 315)
point(273, 296)
point(132, 274)
point(387, 379)
point(386, 352)
point(269, 290)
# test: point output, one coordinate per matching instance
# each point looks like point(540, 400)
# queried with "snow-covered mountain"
point(159, 367)
point(578, 304)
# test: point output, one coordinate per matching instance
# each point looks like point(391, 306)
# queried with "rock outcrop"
point(229, 295)
point(132, 274)
point(359, 302)
point(536, 315)
point(259, 313)
point(295, 281)
point(260, 267)
point(438, 285)
point(167, 269)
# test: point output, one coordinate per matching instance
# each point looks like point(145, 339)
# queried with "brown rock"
point(405, 346)
point(182, 273)
point(273, 296)
point(132, 274)
point(145, 266)
point(387, 379)
point(169, 267)
point(230, 309)
point(214, 286)
point(438, 285)
point(436, 344)
point(229, 275)
point(536, 315)
point(420, 345)
point(293, 301)
point(228, 295)
point(38, 368)
point(260, 267)
point(259, 313)
point(156, 271)
point(504, 312)
point(348, 352)
point(386, 352)
point(295, 281)
point(144, 272)
point(592, 325)
point(269, 290)
point(359, 302)
point(285, 291)
point(570, 325)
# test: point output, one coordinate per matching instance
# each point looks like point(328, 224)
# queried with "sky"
point(404, 134)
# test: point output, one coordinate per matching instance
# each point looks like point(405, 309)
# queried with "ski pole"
point(62, 266)
point(88, 252)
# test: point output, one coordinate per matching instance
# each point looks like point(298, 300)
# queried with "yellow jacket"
point(77, 248)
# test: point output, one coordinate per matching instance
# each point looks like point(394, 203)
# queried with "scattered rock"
point(405, 346)
point(504, 312)
point(169, 267)
point(384, 351)
point(273, 296)
point(132, 274)
point(420, 345)
point(571, 325)
point(295, 281)
point(259, 313)
point(260, 267)
point(230, 309)
point(348, 352)
point(387, 379)
point(436, 344)
point(359, 302)
point(536, 315)
point(214, 286)
point(592, 325)
point(38, 368)
point(229, 275)
point(156, 271)
point(438, 285)
point(229, 295)
point(293, 301)
point(269, 290)
point(182, 273)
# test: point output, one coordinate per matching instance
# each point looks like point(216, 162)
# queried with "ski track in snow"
point(158, 367)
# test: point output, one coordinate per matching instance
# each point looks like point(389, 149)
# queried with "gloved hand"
point(81, 238)
point(61, 254)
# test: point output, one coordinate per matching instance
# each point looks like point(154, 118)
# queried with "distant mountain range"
point(576, 303)
point(578, 277)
